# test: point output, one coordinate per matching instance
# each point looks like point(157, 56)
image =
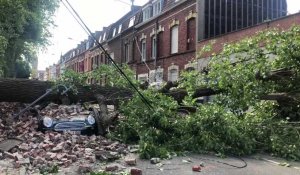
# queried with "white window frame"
point(147, 12)
point(171, 72)
point(157, 6)
point(131, 22)
point(143, 50)
point(120, 28)
point(159, 76)
point(170, 69)
point(174, 39)
point(87, 45)
point(152, 74)
point(104, 35)
point(112, 55)
point(153, 47)
point(142, 77)
point(114, 32)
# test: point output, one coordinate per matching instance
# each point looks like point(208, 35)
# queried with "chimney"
point(132, 5)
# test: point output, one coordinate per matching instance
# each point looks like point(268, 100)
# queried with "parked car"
point(81, 124)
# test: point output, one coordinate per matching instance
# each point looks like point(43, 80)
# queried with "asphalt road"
point(213, 165)
point(183, 166)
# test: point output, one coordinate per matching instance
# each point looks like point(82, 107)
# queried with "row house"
point(156, 40)
point(41, 75)
point(165, 39)
point(50, 74)
point(161, 38)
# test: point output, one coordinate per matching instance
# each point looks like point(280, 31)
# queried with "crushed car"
point(79, 124)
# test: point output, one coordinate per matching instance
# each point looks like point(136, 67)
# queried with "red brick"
point(111, 168)
point(283, 24)
point(135, 171)
point(196, 168)
point(131, 162)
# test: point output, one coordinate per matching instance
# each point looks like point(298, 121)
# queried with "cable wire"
point(99, 45)
point(228, 164)
point(70, 11)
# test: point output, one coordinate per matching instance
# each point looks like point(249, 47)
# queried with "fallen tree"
point(26, 91)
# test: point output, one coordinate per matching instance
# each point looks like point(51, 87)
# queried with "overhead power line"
point(99, 45)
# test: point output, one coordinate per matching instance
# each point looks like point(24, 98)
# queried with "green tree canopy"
point(23, 29)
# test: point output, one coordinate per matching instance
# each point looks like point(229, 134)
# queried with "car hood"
point(75, 118)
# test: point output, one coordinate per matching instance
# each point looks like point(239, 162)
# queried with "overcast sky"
point(97, 14)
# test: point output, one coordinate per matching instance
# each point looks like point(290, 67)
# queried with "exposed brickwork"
point(165, 58)
point(283, 23)
point(180, 60)
point(183, 14)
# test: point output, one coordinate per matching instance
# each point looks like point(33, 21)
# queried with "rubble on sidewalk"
point(155, 160)
point(135, 171)
point(130, 161)
point(196, 168)
point(63, 149)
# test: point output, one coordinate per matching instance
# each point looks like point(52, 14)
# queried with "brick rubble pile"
point(40, 149)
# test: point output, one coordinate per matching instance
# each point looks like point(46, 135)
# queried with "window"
point(143, 78)
point(131, 22)
point(154, 47)
point(191, 35)
point(143, 50)
point(114, 32)
point(100, 39)
point(87, 45)
point(174, 39)
point(159, 74)
point(147, 13)
point(104, 35)
point(160, 45)
point(120, 28)
point(112, 55)
point(152, 76)
point(173, 75)
point(157, 7)
point(126, 53)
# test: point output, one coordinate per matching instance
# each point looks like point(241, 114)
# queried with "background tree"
point(3, 44)
point(22, 69)
point(24, 26)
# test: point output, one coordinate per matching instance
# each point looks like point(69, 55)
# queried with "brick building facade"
point(157, 40)
point(165, 43)
point(283, 23)
point(161, 38)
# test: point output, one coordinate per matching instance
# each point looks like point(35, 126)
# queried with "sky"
point(96, 14)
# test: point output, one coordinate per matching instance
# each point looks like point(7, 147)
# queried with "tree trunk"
point(26, 91)
point(104, 118)
point(276, 75)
